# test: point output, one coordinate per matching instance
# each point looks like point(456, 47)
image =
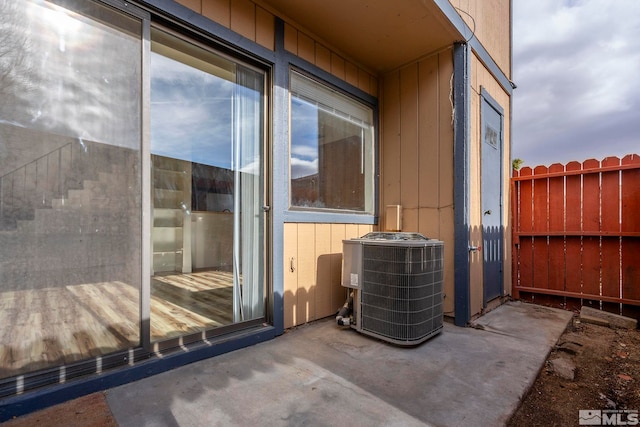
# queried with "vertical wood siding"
point(417, 152)
point(313, 269)
point(242, 16)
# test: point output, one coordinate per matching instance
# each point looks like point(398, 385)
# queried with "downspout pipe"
point(461, 162)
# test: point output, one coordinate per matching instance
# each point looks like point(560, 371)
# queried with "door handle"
point(487, 212)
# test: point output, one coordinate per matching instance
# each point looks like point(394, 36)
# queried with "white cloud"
point(576, 65)
point(301, 168)
point(305, 151)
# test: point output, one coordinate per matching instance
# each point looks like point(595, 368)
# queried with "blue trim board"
point(491, 65)
point(279, 173)
point(49, 396)
point(461, 161)
point(310, 216)
point(494, 104)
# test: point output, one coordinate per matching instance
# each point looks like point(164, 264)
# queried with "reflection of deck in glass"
point(55, 326)
point(187, 303)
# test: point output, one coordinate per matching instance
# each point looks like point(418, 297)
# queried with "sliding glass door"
point(207, 131)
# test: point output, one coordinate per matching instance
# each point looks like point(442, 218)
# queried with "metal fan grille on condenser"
point(401, 292)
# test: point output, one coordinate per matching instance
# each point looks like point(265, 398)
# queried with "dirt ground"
point(86, 411)
point(607, 377)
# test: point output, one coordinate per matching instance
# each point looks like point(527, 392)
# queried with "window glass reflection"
point(207, 117)
point(332, 156)
point(70, 200)
point(192, 112)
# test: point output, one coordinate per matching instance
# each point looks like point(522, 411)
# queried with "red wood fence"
point(576, 233)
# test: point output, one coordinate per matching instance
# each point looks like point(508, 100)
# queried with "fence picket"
point(574, 197)
point(526, 194)
point(610, 223)
point(526, 225)
point(515, 243)
point(611, 196)
point(573, 267)
point(556, 214)
point(591, 224)
point(631, 194)
point(540, 225)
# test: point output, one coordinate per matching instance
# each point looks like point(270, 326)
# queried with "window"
point(332, 155)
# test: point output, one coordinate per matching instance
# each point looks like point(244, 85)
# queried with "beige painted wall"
point(313, 269)
point(491, 20)
point(481, 78)
point(416, 150)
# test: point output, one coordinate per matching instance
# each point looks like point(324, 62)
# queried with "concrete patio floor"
point(323, 375)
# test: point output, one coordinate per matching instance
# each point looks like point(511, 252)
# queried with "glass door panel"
point(207, 120)
point(70, 191)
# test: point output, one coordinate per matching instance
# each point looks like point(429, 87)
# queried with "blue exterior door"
point(491, 187)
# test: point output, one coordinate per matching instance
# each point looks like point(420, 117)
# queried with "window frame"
point(303, 214)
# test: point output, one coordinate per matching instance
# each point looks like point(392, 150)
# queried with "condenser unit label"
point(354, 280)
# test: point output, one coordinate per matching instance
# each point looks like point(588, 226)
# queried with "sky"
point(193, 107)
point(577, 70)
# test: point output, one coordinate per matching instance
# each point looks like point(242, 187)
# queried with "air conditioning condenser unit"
point(396, 281)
